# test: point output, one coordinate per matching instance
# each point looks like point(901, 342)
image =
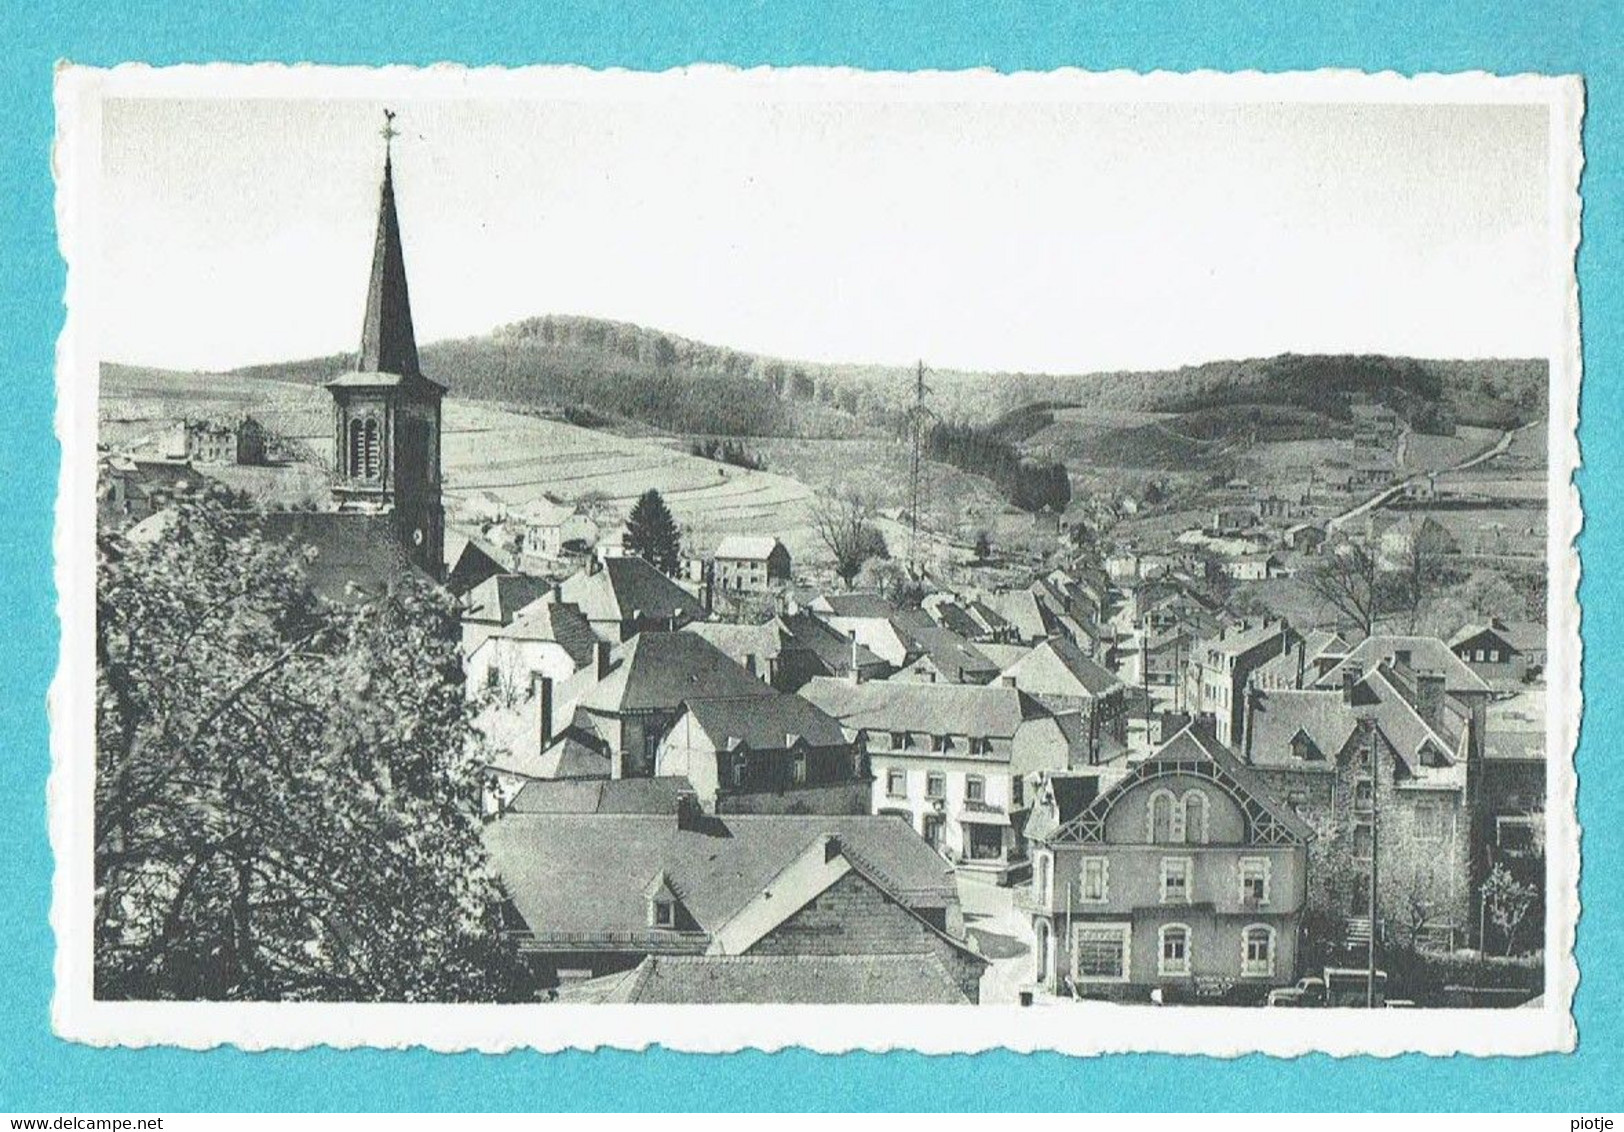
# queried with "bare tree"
point(1507, 901)
point(1348, 578)
point(845, 524)
point(1421, 567)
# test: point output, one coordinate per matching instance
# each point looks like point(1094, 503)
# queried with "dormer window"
point(664, 913)
point(799, 768)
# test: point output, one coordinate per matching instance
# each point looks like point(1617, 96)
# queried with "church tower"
point(386, 414)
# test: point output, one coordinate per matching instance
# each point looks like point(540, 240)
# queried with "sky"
point(1046, 236)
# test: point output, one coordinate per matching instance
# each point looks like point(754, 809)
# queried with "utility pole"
point(1370, 945)
point(918, 416)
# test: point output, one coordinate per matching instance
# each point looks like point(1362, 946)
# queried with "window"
point(1096, 880)
point(1478, 656)
point(1257, 951)
point(493, 678)
point(665, 914)
point(373, 455)
point(799, 770)
point(1430, 822)
point(935, 784)
point(1040, 878)
point(975, 788)
point(1017, 791)
point(1517, 835)
point(1173, 960)
point(1494, 656)
point(1194, 807)
point(938, 743)
point(1099, 953)
point(1254, 881)
point(1364, 795)
point(899, 740)
point(1176, 880)
point(739, 764)
point(1159, 818)
point(1364, 841)
point(896, 783)
point(986, 842)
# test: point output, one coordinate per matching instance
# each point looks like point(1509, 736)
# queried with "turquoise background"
point(39, 1073)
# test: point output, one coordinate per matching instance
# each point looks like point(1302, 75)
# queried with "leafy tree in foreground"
point(286, 793)
point(651, 533)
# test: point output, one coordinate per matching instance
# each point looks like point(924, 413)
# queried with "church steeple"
point(388, 343)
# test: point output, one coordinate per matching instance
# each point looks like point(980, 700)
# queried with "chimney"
point(688, 811)
point(856, 673)
point(541, 689)
point(637, 619)
point(600, 653)
point(1250, 719)
point(1302, 662)
point(557, 594)
point(706, 601)
point(676, 617)
point(1429, 697)
point(1350, 677)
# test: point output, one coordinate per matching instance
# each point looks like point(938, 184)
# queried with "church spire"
point(388, 343)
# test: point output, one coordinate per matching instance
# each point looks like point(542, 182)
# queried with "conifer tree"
point(651, 533)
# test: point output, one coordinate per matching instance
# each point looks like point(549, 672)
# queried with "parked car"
point(1309, 991)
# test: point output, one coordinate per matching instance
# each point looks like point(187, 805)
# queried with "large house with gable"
point(738, 903)
point(956, 761)
point(1183, 875)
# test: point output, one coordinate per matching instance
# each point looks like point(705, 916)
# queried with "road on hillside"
point(1384, 496)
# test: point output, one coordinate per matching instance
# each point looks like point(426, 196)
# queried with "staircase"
point(1357, 931)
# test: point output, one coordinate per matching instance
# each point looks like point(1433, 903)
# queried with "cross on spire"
point(388, 133)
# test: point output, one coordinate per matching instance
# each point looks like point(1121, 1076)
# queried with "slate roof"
point(977, 710)
point(749, 547)
point(601, 796)
point(589, 873)
point(1196, 742)
point(790, 979)
point(1427, 654)
point(660, 671)
point(766, 723)
point(953, 617)
point(953, 656)
point(764, 641)
point(501, 596)
point(1516, 727)
point(1031, 618)
point(832, 647)
point(1281, 669)
point(1327, 720)
point(624, 586)
point(1524, 636)
point(547, 620)
point(1059, 668)
point(858, 605)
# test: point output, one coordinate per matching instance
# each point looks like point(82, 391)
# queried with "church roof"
point(388, 342)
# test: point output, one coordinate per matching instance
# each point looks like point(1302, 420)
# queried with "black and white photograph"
point(823, 553)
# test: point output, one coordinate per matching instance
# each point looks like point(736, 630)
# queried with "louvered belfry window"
point(357, 450)
point(373, 449)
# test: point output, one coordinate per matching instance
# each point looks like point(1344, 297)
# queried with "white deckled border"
point(1083, 1028)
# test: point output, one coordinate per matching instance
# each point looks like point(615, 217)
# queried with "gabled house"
point(1503, 654)
point(471, 559)
point(765, 755)
point(954, 760)
point(626, 703)
point(545, 639)
point(1221, 666)
point(495, 602)
point(942, 656)
point(1183, 875)
point(1303, 665)
point(1417, 654)
point(788, 650)
point(875, 623)
point(624, 596)
point(1380, 767)
point(750, 564)
point(594, 895)
point(1063, 679)
point(550, 527)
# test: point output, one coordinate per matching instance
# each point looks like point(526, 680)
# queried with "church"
point(386, 516)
